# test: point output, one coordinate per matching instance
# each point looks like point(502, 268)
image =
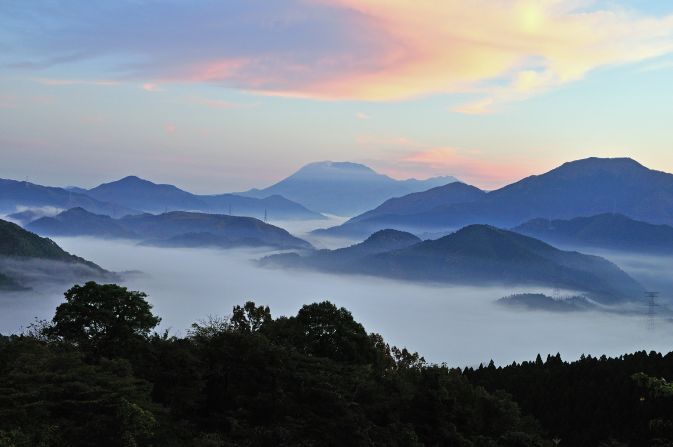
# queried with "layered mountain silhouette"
point(16, 194)
point(343, 188)
point(26, 258)
point(137, 193)
point(175, 228)
point(402, 212)
point(79, 222)
point(539, 301)
point(25, 217)
point(474, 255)
point(579, 188)
point(611, 231)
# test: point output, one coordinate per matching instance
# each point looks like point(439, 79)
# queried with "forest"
point(99, 374)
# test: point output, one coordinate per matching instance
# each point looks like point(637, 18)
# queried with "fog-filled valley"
point(336, 223)
point(461, 326)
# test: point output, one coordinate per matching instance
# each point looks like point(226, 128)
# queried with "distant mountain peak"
point(340, 165)
point(618, 163)
point(390, 235)
point(343, 188)
point(133, 179)
point(334, 168)
point(78, 210)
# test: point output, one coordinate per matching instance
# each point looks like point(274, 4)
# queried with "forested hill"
point(313, 379)
point(474, 255)
point(96, 375)
point(17, 242)
point(595, 401)
point(27, 259)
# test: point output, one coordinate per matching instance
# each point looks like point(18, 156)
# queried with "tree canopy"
point(104, 319)
point(97, 375)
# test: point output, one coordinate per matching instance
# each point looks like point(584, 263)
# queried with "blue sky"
point(223, 96)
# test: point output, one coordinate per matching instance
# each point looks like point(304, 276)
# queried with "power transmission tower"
point(651, 309)
point(265, 215)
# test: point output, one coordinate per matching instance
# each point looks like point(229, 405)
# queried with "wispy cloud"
point(215, 103)
point(152, 87)
point(66, 81)
point(362, 116)
point(498, 50)
point(170, 128)
point(407, 158)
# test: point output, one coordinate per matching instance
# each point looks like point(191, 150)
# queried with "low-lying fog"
point(457, 325)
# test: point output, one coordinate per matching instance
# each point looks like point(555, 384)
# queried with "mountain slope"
point(612, 231)
point(144, 195)
point(15, 194)
point(150, 197)
point(176, 229)
point(343, 188)
point(456, 192)
point(580, 188)
point(23, 218)
point(481, 254)
point(393, 212)
point(79, 222)
point(179, 225)
point(26, 258)
point(17, 242)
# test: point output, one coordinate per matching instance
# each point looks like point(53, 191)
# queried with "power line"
point(651, 309)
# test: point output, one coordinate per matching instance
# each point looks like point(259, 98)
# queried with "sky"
point(219, 96)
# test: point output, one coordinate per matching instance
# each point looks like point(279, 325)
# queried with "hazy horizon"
point(459, 325)
point(481, 93)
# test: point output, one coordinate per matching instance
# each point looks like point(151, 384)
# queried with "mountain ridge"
point(343, 188)
point(148, 196)
point(175, 228)
point(608, 230)
point(19, 249)
point(479, 255)
point(578, 188)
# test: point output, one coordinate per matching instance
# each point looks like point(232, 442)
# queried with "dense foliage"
point(17, 242)
point(96, 376)
point(592, 401)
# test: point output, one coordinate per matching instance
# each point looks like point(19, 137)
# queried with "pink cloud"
point(406, 158)
point(219, 103)
point(374, 50)
point(504, 51)
point(485, 173)
point(151, 87)
point(170, 128)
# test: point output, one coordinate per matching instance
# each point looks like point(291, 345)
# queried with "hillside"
point(479, 255)
point(399, 212)
point(175, 225)
point(175, 229)
point(15, 195)
point(151, 197)
point(579, 188)
point(343, 188)
point(26, 258)
point(611, 231)
point(79, 222)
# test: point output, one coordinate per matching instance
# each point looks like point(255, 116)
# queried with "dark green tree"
point(103, 319)
point(250, 317)
point(325, 330)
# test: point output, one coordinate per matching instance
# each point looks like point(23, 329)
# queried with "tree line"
point(98, 374)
